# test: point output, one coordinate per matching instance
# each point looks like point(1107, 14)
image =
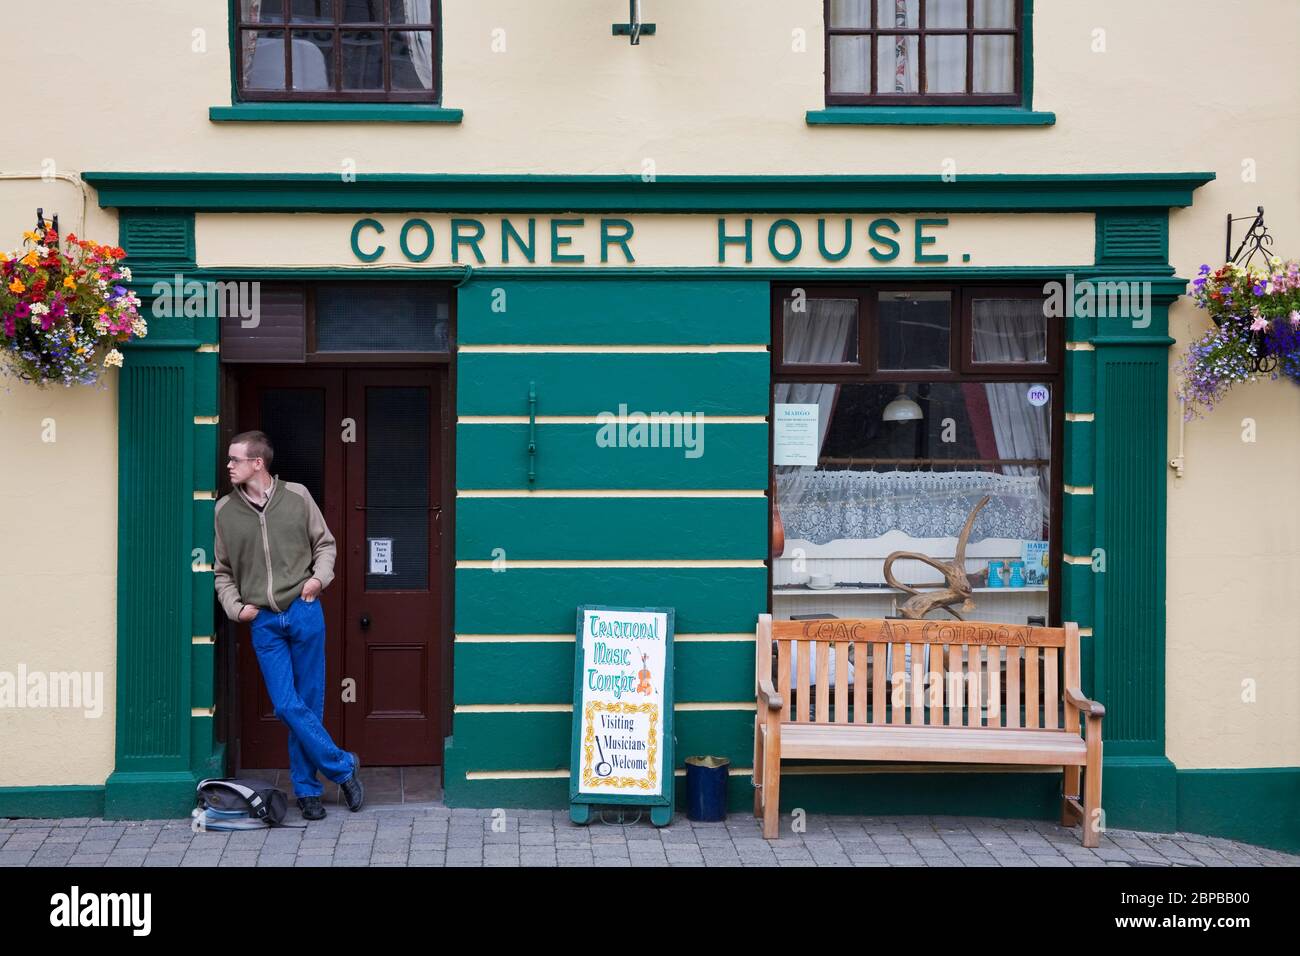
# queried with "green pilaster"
point(165, 689)
point(1129, 480)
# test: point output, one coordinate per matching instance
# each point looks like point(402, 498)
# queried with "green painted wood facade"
point(511, 693)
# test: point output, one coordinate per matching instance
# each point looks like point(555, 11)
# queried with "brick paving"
point(430, 834)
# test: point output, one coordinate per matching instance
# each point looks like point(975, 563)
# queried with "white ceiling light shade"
point(902, 409)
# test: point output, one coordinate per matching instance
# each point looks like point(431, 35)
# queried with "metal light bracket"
point(634, 28)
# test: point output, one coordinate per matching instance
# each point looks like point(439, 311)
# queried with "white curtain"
point(825, 334)
point(1014, 330)
point(897, 57)
point(421, 41)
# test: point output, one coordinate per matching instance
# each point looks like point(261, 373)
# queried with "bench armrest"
point(1090, 708)
point(765, 690)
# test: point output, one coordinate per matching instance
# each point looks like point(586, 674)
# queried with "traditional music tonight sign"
point(622, 733)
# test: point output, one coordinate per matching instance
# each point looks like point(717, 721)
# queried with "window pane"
point(363, 59)
point(896, 63)
point(945, 13)
point(994, 13)
point(261, 11)
point(994, 65)
point(896, 14)
point(820, 331)
point(850, 64)
point(913, 329)
point(363, 11)
point(313, 60)
point(312, 11)
point(849, 13)
point(945, 64)
point(410, 11)
point(901, 467)
point(365, 317)
point(397, 483)
point(411, 54)
point(1008, 330)
point(294, 418)
point(263, 66)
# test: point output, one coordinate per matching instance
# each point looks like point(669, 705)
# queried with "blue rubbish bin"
point(706, 788)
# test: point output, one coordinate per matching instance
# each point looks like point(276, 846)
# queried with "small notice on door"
point(795, 435)
point(381, 555)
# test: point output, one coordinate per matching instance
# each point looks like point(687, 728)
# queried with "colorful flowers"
point(63, 307)
point(1256, 313)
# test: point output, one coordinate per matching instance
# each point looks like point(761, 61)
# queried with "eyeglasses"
point(233, 458)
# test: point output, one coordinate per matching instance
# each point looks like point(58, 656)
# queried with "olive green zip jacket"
point(263, 558)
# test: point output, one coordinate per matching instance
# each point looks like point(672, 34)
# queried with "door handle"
point(365, 622)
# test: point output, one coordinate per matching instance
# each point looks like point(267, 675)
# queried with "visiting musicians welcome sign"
point(623, 725)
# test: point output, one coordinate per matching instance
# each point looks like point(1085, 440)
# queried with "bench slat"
point(860, 671)
point(1031, 687)
point(1050, 696)
point(841, 682)
point(919, 632)
point(973, 676)
point(947, 745)
point(897, 684)
point(918, 685)
point(801, 710)
point(783, 676)
point(936, 688)
point(955, 686)
point(1013, 687)
point(879, 696)
point(822, 692)
point(994, 686)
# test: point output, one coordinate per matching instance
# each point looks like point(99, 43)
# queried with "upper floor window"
point(923, 52)
point(366, 51)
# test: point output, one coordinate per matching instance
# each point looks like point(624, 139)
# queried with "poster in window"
point(795, 434)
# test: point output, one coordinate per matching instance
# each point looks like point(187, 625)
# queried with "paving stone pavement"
point(432, 835)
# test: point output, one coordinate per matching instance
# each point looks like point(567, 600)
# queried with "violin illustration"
point(643, 678)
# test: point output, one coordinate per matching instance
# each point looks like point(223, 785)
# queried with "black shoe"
point(311, 808)
point(354, 794)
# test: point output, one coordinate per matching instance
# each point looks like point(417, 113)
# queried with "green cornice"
point(330, 192)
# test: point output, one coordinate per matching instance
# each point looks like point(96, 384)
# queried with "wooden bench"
point(995, 694)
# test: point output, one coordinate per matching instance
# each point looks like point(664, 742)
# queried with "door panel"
point(377, 476)
point(393, 606)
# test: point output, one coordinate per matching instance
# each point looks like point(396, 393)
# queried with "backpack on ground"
point(240, 804)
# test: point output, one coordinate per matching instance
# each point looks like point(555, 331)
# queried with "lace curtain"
point(821, 506)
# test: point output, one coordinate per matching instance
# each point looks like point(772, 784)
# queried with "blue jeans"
point(290, 648)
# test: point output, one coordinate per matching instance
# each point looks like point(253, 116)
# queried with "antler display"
point(959, 587)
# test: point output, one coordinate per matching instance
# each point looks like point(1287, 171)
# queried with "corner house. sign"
point(623, 711)
point(522, 240)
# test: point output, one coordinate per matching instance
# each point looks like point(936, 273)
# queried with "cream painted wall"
point(720, 90)
point(58, 564)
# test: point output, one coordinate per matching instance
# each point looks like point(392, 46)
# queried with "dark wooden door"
point(365, 444)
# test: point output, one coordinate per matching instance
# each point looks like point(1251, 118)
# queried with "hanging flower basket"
point(1256, 314)
point(62, 313)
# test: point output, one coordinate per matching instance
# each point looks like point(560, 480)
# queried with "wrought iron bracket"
point(1256, 237)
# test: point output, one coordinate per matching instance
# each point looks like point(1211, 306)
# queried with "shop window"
point(362, 51)
point(924, 52)
point(956, 397)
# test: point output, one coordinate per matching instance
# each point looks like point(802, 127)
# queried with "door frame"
point(228, 690)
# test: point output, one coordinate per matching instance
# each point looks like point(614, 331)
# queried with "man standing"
point(274, 555)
